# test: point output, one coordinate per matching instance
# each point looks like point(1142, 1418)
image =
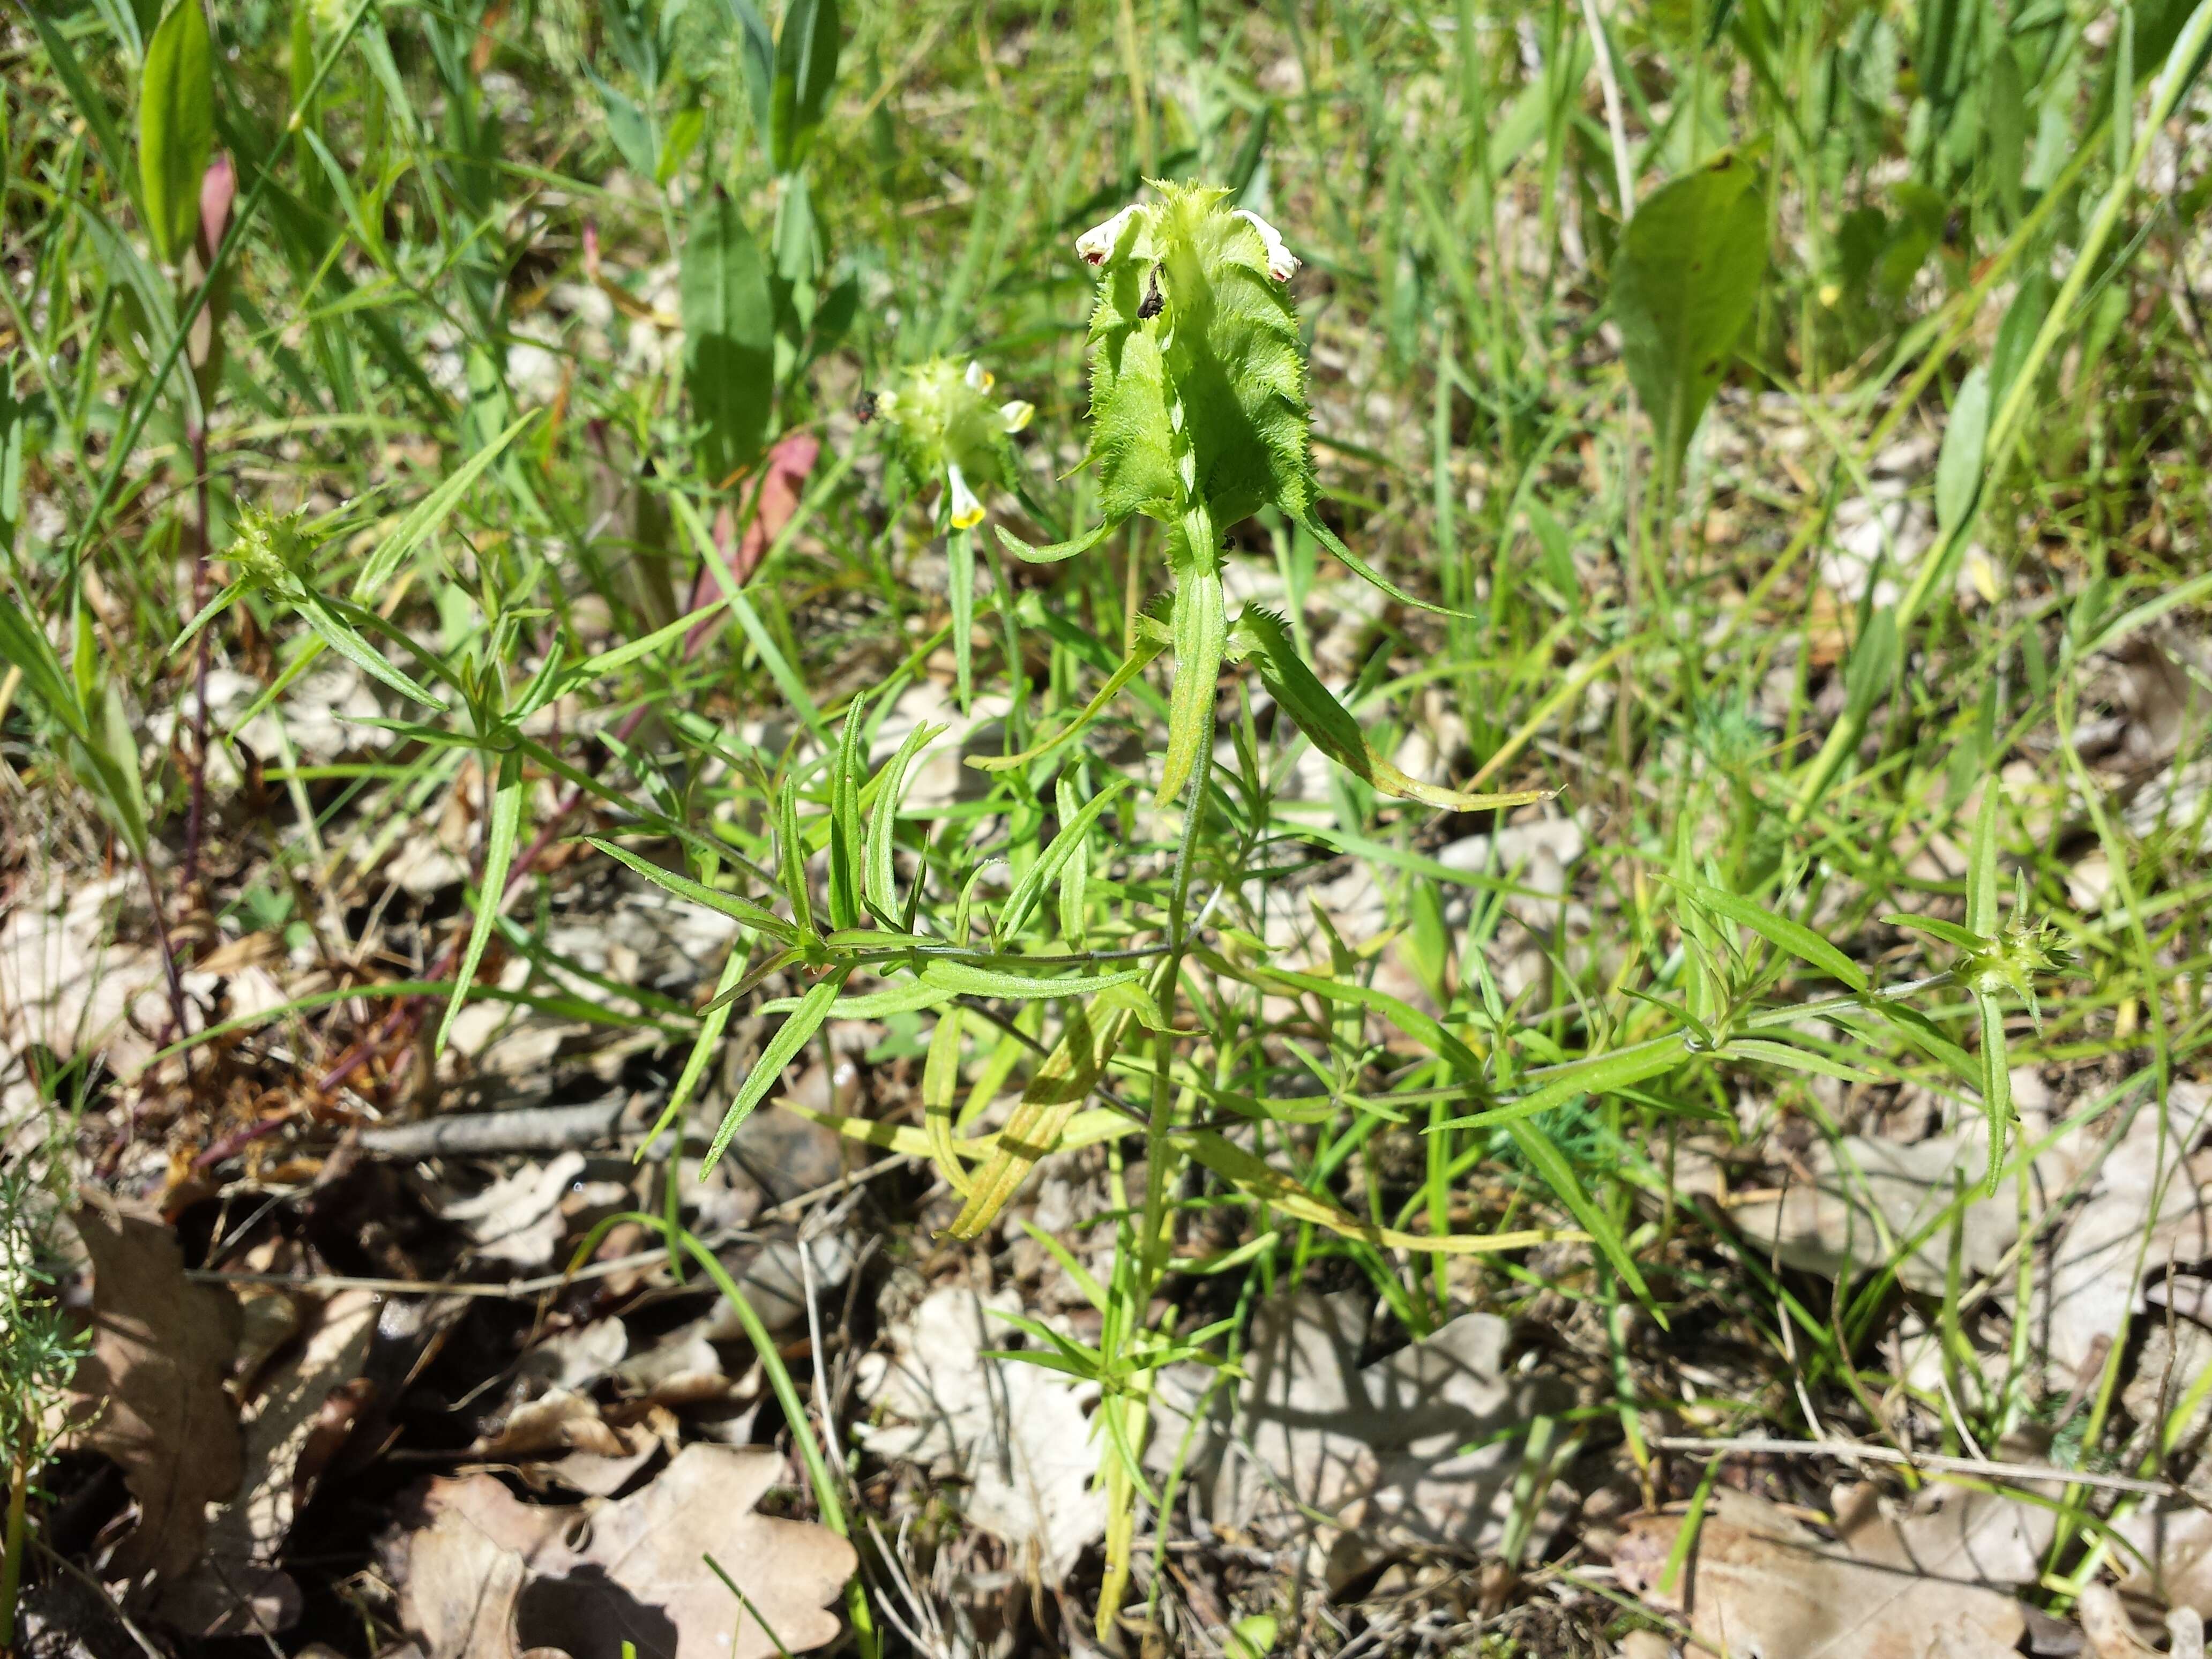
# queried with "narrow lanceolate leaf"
point(941, 1082)
point(431, 512)
point(729, 334)
point(1329, 726)
point(1368, 574)
point(883, 821)
point(1261, 1181)
point(1074, 875)
point(1996, 1082)
point(1054, 1097)
point(1982, 865)
point(791, 858)
point(960, 589)
point(333, 629)
point(942, 982)
point(1202, 633)
point(1549, 1161)
point(729, 904)
point(501, 834)
point(1132, 666)
point(1053, 552)
point(1784, 933)
point(1684, 285)
point(716, 1022)
point(1014, 915)
point(790, 1038)
point(846, 874)
point(176, 127)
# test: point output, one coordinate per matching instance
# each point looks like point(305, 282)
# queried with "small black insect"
point(864, 408)
point(1153, 301)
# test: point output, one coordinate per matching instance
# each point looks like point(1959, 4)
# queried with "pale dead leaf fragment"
point(1867, 1196)
point(462, 1586)
point(2105, 1625)
point(594, 1576)
point(649, 1551)
point(1760, 1585)
point(1406, 1453)
point(2115, 1240)
point(517, 1219)
point(556, 1422)
point(1018, 1434)
point(238, 1589)
point(152, 1387)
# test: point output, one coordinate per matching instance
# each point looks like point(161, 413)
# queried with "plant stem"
point(11, 1553)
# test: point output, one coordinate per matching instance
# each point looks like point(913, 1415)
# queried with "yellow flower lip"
point(967, 511)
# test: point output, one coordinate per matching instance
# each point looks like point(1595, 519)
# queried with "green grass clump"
point(1756, 433)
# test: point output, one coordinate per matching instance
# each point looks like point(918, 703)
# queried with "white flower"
point(1281, 261)
point(979, 378)
point(967, 511)
point(1016, 415)
point(1097, 244)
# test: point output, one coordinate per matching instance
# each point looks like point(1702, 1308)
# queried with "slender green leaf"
point(176, 127)
point(502, 831)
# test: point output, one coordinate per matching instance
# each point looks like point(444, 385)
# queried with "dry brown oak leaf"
point(587, 1577)
point(1761, 1586)
point(151, 1389)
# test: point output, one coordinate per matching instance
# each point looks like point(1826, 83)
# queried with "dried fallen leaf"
point(2114, 1242)
point(152, 1390)
point(1758, 1582)
point(237, 1588)
point(1419, 1449)
point(1869, 1195)
point(595, 1576)
point(1020, 1435)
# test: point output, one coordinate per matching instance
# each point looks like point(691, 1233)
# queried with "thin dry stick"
point(2038, 1473)
point(513, 1289)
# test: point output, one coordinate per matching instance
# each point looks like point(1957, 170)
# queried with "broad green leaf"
point(1958, 466)
point(1201, 635)
point(431, 512)
point(805, 73)
point(176, 127)
point(728, 904)
point(790, 1038)
point(1782, 932)
point(1213, 368)
point(1684, 283)
point(729, 336)
point(502, 831)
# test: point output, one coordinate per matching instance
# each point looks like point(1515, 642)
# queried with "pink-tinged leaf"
point(218, 191)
